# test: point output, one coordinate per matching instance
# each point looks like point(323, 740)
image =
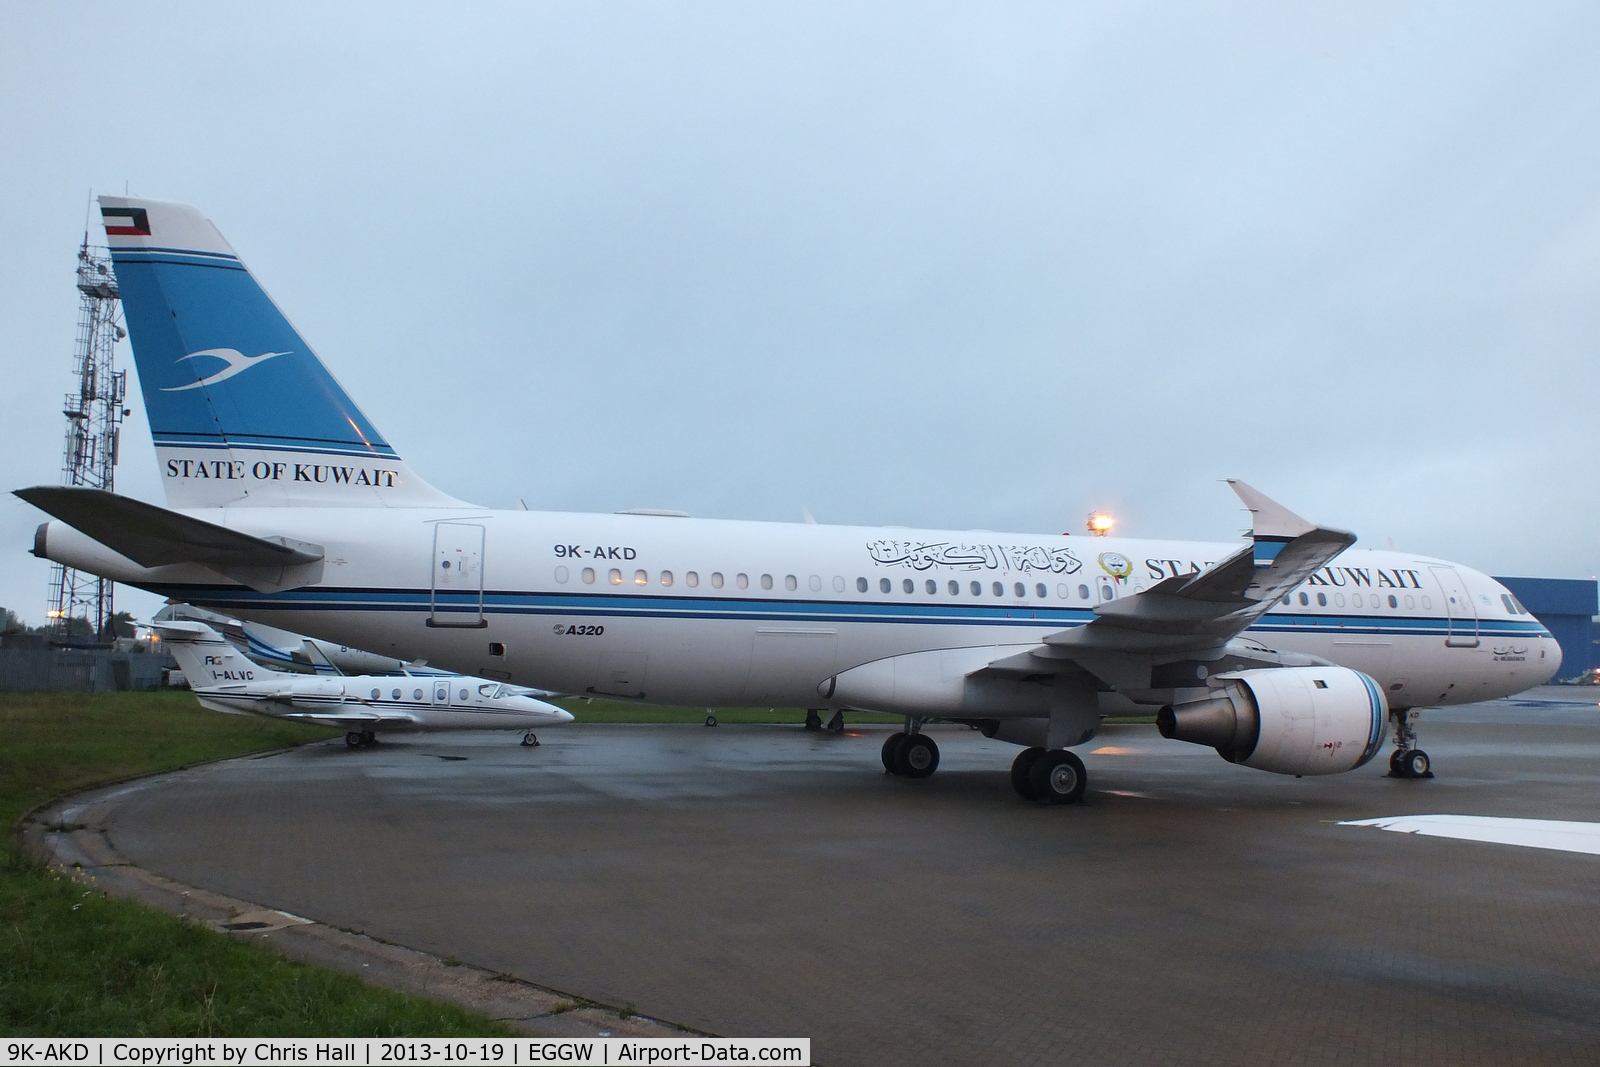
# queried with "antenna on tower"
point(79, 601)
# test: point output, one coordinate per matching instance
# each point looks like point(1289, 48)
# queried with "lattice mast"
point(94, 426)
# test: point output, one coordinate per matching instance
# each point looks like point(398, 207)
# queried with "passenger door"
point(457, 591)
point(1462, 615)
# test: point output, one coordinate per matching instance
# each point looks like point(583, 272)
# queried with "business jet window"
point(861, 585)
point(691, 579)
point(416, 695)
point(999, 589)
point(766, 581)
point(883, 585)
point(1393, 603)
point(376, 694)
point(742, 581)
point(1019, 590)
point(716, 579)
point(1304, 600)
point(816, 583)
point(1040, 591)
point(615, 576)
point(588, 576)
point(1083, 592)
point(838, 583)
point(490, 690)
point(561, 575)
point(666, 577)
point(933, 587)
point(977, 588)
point(791, 583)
point(908, 586)
point(395, 695)
point(1322, 600)
point(463, 694)
point(641, 578)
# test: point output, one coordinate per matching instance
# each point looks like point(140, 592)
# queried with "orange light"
point(1100, 523)
point(56, 614)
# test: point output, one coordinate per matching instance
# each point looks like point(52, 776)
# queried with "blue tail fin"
point(241, 409)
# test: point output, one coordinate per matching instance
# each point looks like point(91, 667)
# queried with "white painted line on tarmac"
point(1531, 833)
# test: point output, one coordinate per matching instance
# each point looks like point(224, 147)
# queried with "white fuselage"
point(716, 613)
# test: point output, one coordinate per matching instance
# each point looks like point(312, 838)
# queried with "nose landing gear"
point(359, 738)
point(530, 740)
point(1407, 760)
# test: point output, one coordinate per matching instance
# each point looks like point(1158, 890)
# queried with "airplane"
point(224, 679)
point(297, 653)
point(1289, 652)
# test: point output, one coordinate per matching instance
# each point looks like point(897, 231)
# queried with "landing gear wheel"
point(711, 717)
point(1058, 777)
point(530, 740)
point(890, 745)
point(836, 724)
point(917, 756)
point(1416, 764)
point(1396, 769)
point(353, 739)
point(1019, 772)
point(813, 720)
point(368, 737)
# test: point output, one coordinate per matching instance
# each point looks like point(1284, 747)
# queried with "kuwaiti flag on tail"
point(241, 410)
point(126, 221)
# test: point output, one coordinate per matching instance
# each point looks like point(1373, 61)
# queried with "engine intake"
point(1288, 720)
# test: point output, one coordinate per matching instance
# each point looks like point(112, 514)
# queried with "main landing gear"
point(910, 753)
point(813, 719)
point(1049, 776)
point(359, 738)
point(1407, 760)
point(530, 740)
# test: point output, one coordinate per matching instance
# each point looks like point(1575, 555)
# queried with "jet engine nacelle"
point(1288, 720)
point(317, 693)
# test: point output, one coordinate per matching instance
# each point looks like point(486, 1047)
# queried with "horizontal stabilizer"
point(152, 536)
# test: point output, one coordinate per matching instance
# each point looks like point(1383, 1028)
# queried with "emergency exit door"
point(457, 591)
point(1462, 615)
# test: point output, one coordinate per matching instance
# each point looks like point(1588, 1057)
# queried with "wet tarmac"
point(764, 881)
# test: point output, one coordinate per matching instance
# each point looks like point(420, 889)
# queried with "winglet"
point(1272, 524)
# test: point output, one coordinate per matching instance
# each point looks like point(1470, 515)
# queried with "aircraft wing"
point(153, 536)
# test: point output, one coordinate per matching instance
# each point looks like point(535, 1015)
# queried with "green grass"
point(74, 962)
point(624, 711)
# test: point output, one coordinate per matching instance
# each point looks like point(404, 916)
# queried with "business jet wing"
point(153, 536)
point(1194, 612)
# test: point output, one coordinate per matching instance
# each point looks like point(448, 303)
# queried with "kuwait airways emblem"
point(1116, 564)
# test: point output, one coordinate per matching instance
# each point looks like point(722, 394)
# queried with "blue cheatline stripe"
point(625, 605)
point(138, 253)
point(1379, 706)
point(264, 443)
point(183, 259)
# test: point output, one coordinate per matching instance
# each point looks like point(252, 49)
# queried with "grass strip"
point(622, 711)
point(76, 963)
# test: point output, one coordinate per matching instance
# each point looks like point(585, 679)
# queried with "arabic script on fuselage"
point(924, 555)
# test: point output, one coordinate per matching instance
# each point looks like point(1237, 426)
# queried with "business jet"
point(224, 679)
point(1289, 652)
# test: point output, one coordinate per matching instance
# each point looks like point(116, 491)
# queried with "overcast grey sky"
point(990, 265)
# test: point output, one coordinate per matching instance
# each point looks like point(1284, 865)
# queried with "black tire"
point(890, 744)
point(917, 756)
point(529, 740)
point(836, 724)
point(813, 720)
point(1417, 764)
point(1397, 764)
point(353, 739)
point(1058, 778)
point(711, 719)
point(369, 738)
point(1019, 772)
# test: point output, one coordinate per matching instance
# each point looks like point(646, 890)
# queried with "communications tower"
point(94, 424)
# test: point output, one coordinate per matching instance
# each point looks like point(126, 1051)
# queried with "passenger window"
point(463, 694)
point(376, 694)
point(977, 588)
point(1393, 603)
point(1062, 591)
point(1040, 591)
point(588, 576)
point(1338, 600)
point(615, 576)
point(1107, 591)
point(816, 583)
point(666, 577)
point(932, 587)
point(838, 584)
point(999, 590)
point(1322, 600)
point(1355, 598)
point(1019, 590)
point(955, 588)
point(1083, 592)
point(908, 586)
point(791, 583)
point(1410, 602)
point(883, 585)
point(742, 581)
point(691, 579)
point(641, 578)
point(1427, 603)
point(561, 575)
point(766, 581)
point(861, 585)
point(716, 579)
point(1285, 601)
point(394, 694)
point(417, 695)
point(1304, 600)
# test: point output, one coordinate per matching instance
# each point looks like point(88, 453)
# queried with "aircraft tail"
point(241, 409)
point(206, 657)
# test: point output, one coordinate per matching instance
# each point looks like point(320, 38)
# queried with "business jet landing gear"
point(530, 740)
point(836, 723)
point(813, 719)
point(1049, 776)
point(1407, 760)
point(358, 738)
point(910, 753)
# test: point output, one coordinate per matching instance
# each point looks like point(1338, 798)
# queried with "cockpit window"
point(490, 690)
point(1505, 598)
point(1522, 610)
